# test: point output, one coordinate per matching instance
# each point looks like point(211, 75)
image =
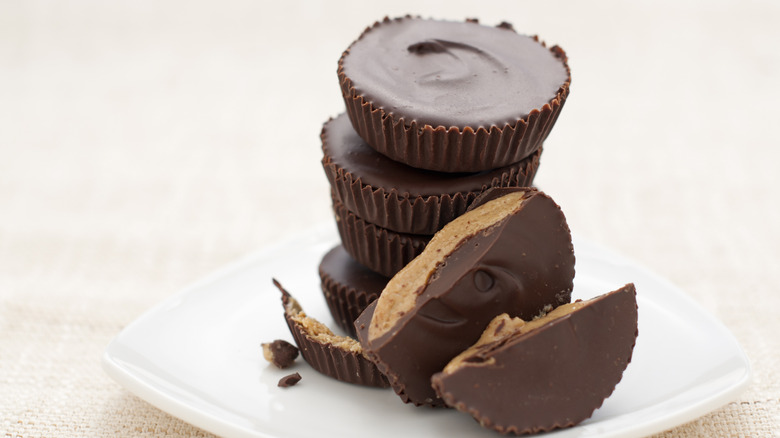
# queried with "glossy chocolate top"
point(344, 148)
point(519, 266)
point(446, 73)
point(551, 377)
point(343, 269)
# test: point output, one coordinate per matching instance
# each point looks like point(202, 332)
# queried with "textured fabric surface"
point(144, 144)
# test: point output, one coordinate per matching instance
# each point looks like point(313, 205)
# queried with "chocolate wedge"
point(511, 255)
point(552, 372)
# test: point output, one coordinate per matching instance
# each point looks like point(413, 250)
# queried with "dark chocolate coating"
point(519, 266)
point(348, 287)
point(551, 377)
point(445, 73)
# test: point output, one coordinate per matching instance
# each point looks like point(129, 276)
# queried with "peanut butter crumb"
point(318, 331)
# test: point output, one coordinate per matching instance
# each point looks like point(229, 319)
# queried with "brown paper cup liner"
point(329, 359)
point(455, 148)
point(402, 212)
point(346, 297)
point(379, 249)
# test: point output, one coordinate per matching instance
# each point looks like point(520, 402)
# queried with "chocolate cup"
point(522, 265)
point(551, 377)
point(449, 147)
point(348, 287)
point(402, 198)
point(329, 359)
point(383, 251)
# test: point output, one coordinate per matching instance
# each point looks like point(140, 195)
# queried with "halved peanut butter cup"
point(511, 255)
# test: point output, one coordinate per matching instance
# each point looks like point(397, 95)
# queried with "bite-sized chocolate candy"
point(511, 255)
point(379, 249)
point(335, 356)
point(452, 96)
point(402, 198)
point(348, 287)
point(552, 372)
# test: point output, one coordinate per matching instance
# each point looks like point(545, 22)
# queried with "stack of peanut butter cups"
point(437, 112)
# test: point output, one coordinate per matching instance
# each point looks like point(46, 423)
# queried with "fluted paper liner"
point(451, 148)
point(345, 301)
point(402, 212)
point(379, 249)
point(329, 359)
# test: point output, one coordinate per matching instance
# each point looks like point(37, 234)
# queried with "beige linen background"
point(144, 144)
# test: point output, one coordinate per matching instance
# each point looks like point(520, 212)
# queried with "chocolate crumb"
point(289, 380)
point(280, 353)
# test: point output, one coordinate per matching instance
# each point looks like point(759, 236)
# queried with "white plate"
point(197, 356)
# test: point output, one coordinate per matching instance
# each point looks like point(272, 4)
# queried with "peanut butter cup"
point(452, 96)
point(510, 255)
point(402, 198)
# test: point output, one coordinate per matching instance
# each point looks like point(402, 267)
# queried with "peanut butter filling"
point(318, 331)
point(400, 295)
point(267, 353)
point(501, 329)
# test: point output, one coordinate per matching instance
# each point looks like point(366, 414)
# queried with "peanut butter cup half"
point(511, 255)
point(525, 377)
